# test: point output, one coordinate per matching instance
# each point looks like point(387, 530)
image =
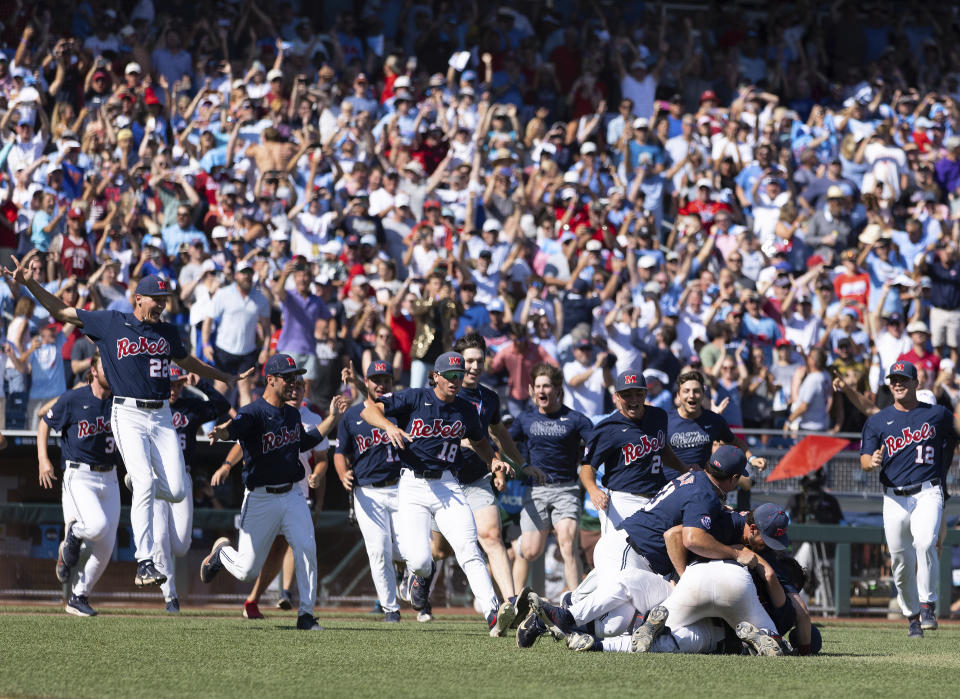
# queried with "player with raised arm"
point(91, 495)
point(431, 423)
point(908, 442)
point(173, 521)
point(136, 350)
point(272, 436)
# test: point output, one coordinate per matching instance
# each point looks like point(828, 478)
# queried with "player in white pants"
point(91, 495)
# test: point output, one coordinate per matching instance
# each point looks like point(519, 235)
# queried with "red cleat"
point(251, 611)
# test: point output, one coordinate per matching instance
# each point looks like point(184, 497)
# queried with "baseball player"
point(91, 495)
point(272, 437)
point(369, 467)
point(632, 445)
point(136, 350)
point(907, 441)
point(693, 429)
point(431, 423)
point(555, 435)
point(173, 521)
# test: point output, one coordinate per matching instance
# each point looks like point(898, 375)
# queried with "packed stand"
point(769, 197)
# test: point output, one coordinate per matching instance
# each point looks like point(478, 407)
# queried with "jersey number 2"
point(924, 455)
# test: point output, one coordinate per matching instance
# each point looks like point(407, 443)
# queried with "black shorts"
point(234, 363)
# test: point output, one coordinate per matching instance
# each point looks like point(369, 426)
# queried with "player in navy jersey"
point(91, 496)
point(430, 425)
point(136, 350)
point(555, 439)
point(632, 445)
point(907, 442)
point(693, 429)
point(272, 437)
point(369, 467)
point(173, 521)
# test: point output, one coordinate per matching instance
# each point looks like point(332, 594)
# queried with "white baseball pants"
point(150, 448)
point(611, 555)
point(172, 531)
point(91, 500)
point(614, 603)
point(620, 506)
point(376, 510)
point(911, 524)
point(442, 499)
point(263, 516)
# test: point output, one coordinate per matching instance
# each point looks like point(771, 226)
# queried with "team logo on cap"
point(898, 366)
point(290, 361)
point(161, 285)
point(456, 361)
point(780, 532)
point(379, 366)
point(630, 379)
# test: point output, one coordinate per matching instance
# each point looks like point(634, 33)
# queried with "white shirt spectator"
point(588, 396)
point(642, 93)
point(238, 335)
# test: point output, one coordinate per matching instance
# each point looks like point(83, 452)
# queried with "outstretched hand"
point(220, 432)
point(20, 272)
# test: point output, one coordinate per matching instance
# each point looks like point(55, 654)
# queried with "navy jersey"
point(436, 428)
point(913, 442)
point(272, 439)
point(692, 440)
point(631, 453)
point(190, 411)
point(555, 441)
point(136, 355)
point(487, 403)
point(690, 500)
point(373, 457)
point(83, 421)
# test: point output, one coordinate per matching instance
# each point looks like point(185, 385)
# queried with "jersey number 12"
point(924, 455)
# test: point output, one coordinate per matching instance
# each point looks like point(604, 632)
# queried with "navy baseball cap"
point(152, 285)
point(379, 368)
point(902, 368)
point(282, 364)
point(449, 361)
point(580, 286)
point(731, 460)
point(176, 373)
point(772, 522)
point(630, 379)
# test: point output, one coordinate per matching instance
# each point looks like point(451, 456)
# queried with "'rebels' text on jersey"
point(83, 421)
point(630, 452)
point(915, 443)
point(374, 459)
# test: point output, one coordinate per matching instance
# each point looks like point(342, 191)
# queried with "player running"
point(91, 495)
point(431, 422)
point(136, 350)
point(272, 437)
point(912, 445)
point(173, 521)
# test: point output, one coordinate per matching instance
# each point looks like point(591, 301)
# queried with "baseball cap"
point(75, 213)
point(772, 522)
point(588, 147)
point(584, 344)
point(782, 342)
point(220, 232)
point(647, 262)
point(729, 459)
point(657, 375)
point(379, 368)
point(581, 286)
point(918, 326)
point(176, 373)
point(152, 285)
point(594, 246)
point(708, 95)
point(834, 192)
point(368, 239)
point(449, 361)
point(902, 368)
point(630, 379)
point(641, 123)
point(132, 67)
point(282, 364)
point(495, 306)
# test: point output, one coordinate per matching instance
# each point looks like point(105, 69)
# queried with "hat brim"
point(156, 294)
point(772, 543)
point(288, 372)
point(900, 373)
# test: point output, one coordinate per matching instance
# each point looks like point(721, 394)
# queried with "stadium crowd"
point(766, 194)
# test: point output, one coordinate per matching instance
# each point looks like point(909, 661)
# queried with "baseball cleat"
point(529, 630)
point(306, 622)
point(251, 610)
point(173, 606)
point(645, 634)
point(558, 621)
point(505, 616)
point(522, 605)
point(286, 600)
point(211, 565)
point(425, 614)
point(391, 617)
point(147, 574)
point(420, 589)
point(928, 617)
point(68, 554)
point(758, 639)
point(581, 642)
point(492, 623)
point(916, 628)
point(78, 605)
point(403, 587)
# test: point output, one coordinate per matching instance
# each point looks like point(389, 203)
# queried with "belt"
point(913, 489)
point(643, 495)
point(275, 489)
point(428, 474)
point(385, 483)
point(100, 468)
point(138, 402)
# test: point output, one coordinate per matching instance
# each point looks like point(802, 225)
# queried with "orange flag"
point(807, 455)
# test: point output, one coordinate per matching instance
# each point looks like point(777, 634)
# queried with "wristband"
point(227, 464)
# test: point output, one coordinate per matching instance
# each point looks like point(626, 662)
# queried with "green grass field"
point(217, 654)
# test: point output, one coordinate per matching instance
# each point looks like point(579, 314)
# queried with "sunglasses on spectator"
point(452, 376)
